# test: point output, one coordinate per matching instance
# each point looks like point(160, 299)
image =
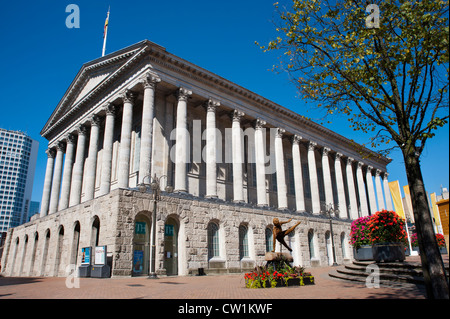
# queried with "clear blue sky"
point(41, 56)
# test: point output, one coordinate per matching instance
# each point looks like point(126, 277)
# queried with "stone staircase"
point(390, 273)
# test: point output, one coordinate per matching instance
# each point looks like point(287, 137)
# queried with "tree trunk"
point(436, 282)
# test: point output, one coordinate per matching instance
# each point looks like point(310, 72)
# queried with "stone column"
point(340, 186)
point(353, 213)
point(327, 177)
point(148, 112)
point(315, 197)
point(47, 182)
point(260, 157)
point(362, 190)
point(78, 167)
point(387, 193)
point(125, 139)
point(371, 190)
point(182, 141)
point(91, 168)
point(281, 172)
point(211, 145)
point(298, 175)
point(379, 190)
point(67, 174)
point(238, 159)
point(56, 184)
point(108, 140)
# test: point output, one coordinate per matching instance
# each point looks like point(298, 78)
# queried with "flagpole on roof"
point(105, 33)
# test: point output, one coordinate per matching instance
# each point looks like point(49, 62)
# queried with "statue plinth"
point(276, 257)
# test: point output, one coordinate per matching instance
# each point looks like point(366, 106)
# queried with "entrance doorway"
point(171, 247)
point(141, 246)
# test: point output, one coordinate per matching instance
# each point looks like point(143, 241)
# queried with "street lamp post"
point(331, 212)
point(156, 196)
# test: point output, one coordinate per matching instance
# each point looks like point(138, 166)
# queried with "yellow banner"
point(407, 206)
point(394, 187)
point(408, 202)
point(437, 218)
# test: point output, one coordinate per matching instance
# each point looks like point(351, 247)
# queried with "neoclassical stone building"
point(234, 159)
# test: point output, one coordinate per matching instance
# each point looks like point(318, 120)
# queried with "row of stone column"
point(63, 188)
point(59, 194)
point(347, 209)
point(350, 209)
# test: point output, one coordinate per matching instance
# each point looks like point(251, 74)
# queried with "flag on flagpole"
point(105, 29)
point(105, 32)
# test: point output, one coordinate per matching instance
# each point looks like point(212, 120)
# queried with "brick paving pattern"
point(200, 287)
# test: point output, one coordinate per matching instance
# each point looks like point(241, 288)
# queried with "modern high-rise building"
point(34, 209)
point(17, 164)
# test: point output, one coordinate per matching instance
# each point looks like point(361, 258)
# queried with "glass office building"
point(18, 154)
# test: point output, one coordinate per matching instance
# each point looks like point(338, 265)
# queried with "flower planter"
point(363, 253)
point(277, 274)
point(308, 280)
point(388, 252)
point(300, 281)
point(291, 282)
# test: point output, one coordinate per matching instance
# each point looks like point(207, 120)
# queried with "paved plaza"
point(199, 287)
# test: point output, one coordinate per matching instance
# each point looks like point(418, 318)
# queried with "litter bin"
point(100, 271)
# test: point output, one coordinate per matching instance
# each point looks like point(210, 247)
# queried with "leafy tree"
point(386, 69)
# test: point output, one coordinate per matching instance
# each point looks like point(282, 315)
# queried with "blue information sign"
point(86, 255)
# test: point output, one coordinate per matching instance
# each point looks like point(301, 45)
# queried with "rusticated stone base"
point(47, 246)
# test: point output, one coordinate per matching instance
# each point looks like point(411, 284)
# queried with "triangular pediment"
point(89, 80)
point(91, 76)
point(92, 81)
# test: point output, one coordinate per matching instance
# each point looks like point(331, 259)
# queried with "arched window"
point(24, 253)
point(269, 239)
point(243, 242)
point(343, 245)
point(213, 240)
point(33, 254)
point(59, 248)
point(95, 232)
point(311, 243)
point(45, 252)
point(14, 256)
point(75, 243)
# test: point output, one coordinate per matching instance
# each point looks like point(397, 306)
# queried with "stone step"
point(385, 283)
point(401, 266)
point(388, 270)
point(399, 277)
point(335, 274)
point(392, 273)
